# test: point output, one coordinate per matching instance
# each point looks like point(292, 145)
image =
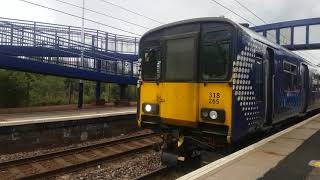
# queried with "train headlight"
point(213, 114)
point(204, 114)
point(150, 108)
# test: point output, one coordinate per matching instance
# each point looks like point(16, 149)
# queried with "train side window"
point(289, 68)
point(314, 82)
point(259, 79)
point(286, 67)
point(318, 85)
point(290, 76)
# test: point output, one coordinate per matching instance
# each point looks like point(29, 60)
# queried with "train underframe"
point(182, 144)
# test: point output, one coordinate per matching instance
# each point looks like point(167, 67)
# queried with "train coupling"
point(171, 155)
point(171, 159)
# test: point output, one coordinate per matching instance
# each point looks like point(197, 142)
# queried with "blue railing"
point(61, 45)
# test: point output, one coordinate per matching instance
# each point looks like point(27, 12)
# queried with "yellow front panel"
point(178, 101)
point(149, 93)
point(216, 96)
point(183, 101)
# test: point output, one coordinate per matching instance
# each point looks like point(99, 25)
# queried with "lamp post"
point(80, 97)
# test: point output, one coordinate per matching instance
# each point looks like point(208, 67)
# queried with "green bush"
point(20, 89)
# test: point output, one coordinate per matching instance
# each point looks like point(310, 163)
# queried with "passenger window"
point(315, 82)
point(318, 87)
point(290, 72)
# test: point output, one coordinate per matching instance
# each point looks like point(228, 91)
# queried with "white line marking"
point(63, 118)
point(228, 159)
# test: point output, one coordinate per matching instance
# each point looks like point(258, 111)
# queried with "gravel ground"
point(20, 155)
point(124, 168)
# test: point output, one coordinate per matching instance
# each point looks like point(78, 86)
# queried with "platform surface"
point(44, 117)
point(285, 155)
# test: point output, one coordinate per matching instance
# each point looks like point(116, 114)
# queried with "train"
point(209, 82)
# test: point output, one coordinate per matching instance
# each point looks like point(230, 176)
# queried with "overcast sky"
point(164, 11)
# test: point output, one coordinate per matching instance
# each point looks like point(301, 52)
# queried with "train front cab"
point(186, 87)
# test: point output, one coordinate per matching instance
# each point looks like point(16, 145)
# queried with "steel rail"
point(83, 162)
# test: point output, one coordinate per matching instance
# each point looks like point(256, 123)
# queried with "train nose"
point(178, 102)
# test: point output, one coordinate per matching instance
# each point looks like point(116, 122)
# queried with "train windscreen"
point(188, 53)
point(151, 64)
point(215, 55)
point(180, 59)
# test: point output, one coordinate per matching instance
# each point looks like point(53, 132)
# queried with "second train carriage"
point(211, 81)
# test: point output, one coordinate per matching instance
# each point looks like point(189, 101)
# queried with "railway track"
point(52, 164)
point(154, 174)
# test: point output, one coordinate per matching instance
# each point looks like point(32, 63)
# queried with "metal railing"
point(102, 50)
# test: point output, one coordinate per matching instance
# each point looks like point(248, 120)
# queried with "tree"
point(12, 90)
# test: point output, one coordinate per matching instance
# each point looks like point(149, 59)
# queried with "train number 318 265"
point(214, 98)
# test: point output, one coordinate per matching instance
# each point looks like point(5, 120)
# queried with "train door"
point(260, 67)
point(269, 86)
point(179, 89)
point(264, 77)
point(305, 87)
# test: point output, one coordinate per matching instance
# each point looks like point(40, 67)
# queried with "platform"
point(56, 116)
point(288, 154)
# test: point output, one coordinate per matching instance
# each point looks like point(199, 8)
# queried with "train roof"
point(250, 32)
point(187, 21)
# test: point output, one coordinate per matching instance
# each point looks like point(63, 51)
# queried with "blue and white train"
point(212, 81)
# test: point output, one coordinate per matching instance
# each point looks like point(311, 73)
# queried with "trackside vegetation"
point(22, 89)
